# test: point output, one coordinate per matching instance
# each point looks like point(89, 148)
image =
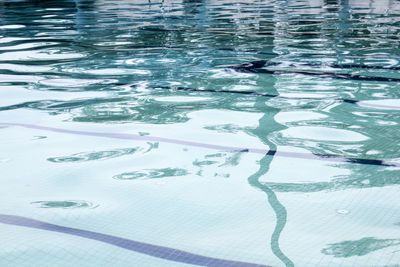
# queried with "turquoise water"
point(211, 133)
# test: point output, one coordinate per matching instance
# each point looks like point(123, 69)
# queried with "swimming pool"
point(208, 133)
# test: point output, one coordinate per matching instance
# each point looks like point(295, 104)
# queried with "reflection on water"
point(151, 174)
point(302, 76)
point(360, 247)
point(361, 177)
point(144, 110)
point(98, 155)
point(67, 204)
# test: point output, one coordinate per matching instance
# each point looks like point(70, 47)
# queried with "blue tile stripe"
point(136, 246)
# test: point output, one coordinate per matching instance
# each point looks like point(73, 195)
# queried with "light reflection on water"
point(154, 68)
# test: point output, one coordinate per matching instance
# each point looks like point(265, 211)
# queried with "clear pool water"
point(189, 132)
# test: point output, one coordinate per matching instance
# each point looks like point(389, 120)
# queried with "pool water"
point(200, 133)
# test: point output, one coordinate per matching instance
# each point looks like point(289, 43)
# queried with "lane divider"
point(298, 155)
point(329, 65)
point(161, 252)
point(257, 67)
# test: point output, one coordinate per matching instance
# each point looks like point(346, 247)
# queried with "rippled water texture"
point(189, 132)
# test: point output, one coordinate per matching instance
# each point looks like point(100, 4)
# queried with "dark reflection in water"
point(267, 124)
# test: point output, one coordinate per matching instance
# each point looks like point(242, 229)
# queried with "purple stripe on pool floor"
point(298, 155)
point(144, 248)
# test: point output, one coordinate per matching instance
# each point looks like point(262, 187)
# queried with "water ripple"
point(317, 81)
point(97, 155)
point(151, 174)
point(65, 204)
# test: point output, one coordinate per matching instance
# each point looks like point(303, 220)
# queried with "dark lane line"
point(161, 252)
point(299, 155)
point(257, 67)
point(336, 66)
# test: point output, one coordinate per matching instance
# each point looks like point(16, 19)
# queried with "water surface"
point(189, 132)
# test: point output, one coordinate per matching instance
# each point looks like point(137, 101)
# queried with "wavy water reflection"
point(151, 174)
point(67, 204)
point(97, 155)
point(360, 247)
